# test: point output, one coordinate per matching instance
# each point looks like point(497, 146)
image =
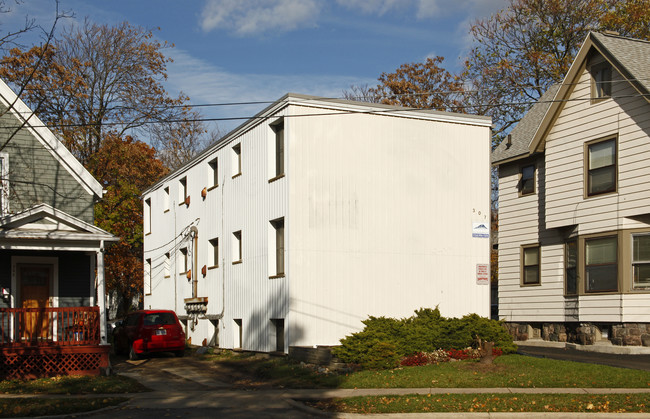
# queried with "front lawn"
point(507, 371)
point(72, 384)
point(31, 407)
point(611, 403)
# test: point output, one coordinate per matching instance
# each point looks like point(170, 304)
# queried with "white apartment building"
point(317, 213)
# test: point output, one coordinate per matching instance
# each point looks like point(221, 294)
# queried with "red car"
point(146, 331)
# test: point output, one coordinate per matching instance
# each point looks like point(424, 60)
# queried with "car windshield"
point(158, 319)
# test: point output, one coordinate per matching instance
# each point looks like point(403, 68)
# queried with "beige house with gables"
point(574, 203)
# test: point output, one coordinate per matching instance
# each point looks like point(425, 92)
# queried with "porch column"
point(101, 294)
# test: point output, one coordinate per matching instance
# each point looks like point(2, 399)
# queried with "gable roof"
point(629, 56)
point(315, 102)
point(522, 134)
point(49, 141)
point(47, 223)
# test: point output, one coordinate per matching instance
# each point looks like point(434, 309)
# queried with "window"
point(571, 267)
point(166, 199)
point(215, 252)
point(601, 167)
point(214, 173)
point(167, 266)
point(601, 80)
point(236, 247)
point(182, 191)
point(182, 260)
point(278, 149)
point(147, 216)
point(276, 248)
point(147, 277)
point(236, 160)
point(641, 261)
point(238, 335)
point(527, 180)
point(4, 184)
point(601, 264)
point(530, 265)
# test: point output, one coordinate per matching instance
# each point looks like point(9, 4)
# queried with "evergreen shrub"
point(426, 331)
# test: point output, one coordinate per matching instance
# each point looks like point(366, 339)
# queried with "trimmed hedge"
point(384, 341)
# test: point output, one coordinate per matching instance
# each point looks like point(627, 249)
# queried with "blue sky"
point(258, 50)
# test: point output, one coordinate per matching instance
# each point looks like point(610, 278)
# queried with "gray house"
point(51, 265)
point(574, 203)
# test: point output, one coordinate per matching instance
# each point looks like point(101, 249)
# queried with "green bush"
point(426, 331)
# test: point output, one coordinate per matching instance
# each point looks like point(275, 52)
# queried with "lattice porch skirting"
point(40, 361)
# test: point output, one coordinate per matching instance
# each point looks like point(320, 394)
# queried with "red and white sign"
point(482, 274)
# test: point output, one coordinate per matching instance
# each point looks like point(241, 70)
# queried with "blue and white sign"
point(481, 230)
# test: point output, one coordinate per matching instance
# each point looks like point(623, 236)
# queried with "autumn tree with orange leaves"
point(99, 79)
point(125, 168)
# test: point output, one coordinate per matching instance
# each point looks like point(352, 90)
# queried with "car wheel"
point(179, 353)
point(133, 355)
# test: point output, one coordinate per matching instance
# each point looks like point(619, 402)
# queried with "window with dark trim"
point(641, 261)
point(278, 129)
point(236, 160)
point(601, 80)
point(215, 252)
point(601, 167)
point(278, 227)
point(601, 264)
point(530, 265)
point(571, 267)
point(527, 180)
point(182, 191)
point(214, 173)
point(236, 247)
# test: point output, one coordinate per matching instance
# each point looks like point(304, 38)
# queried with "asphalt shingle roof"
point(628, 55)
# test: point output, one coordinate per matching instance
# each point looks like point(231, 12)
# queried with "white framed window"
point(166, 199)
point(182, 260)
point(4, 184)
point(236, 247)
point(214, 257)
point(213, 173)
point(167, 266)
point(641, 261)
point(182, 191)
point(147, 277)
point(236, 160)
point(147, 216)
point(276, 248)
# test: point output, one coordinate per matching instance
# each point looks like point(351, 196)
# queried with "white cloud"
point(375, 7)
point(252, 17)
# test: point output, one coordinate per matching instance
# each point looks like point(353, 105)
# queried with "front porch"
point(51, 341)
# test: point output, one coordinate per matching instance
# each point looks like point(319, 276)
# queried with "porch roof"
point(45, 227)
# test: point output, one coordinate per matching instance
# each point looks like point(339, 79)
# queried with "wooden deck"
point(41, 342)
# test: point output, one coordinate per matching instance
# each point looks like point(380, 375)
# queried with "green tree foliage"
point(383, 341)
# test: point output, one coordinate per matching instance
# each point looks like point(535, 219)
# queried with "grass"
point(29, 407)
point(612, 403)
point(507, 371)
point(73, 385)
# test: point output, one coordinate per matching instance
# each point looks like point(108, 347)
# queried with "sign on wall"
point(482, 273)
point(480, 230)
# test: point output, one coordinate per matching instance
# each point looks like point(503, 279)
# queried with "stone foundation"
point(622, 334)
